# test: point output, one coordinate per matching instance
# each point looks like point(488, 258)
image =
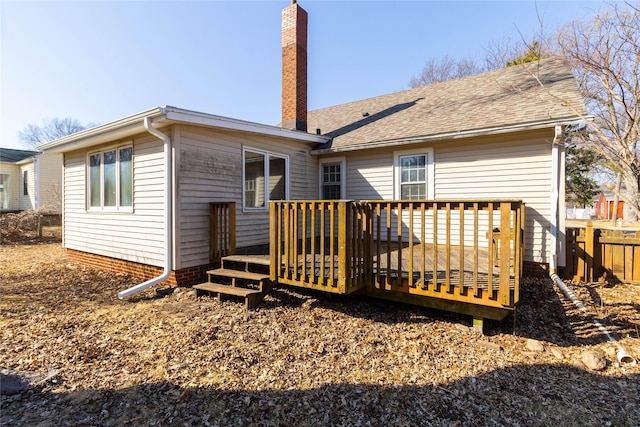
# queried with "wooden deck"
point(458, 255)
point(467, 254)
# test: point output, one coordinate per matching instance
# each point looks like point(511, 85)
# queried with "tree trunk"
point(631, 211)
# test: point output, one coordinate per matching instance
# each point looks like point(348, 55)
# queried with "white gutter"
point(107, 132)
point(131, 125)
point(623, 356)
point(168, 209)
point(448, 136)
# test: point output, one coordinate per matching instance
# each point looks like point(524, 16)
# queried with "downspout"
point(555, 198)
point(622, 355)
point(168, 209)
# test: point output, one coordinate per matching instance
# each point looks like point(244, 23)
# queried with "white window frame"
point(342, 161)
point(265, 187)
point(117, 207)
point(429, 173)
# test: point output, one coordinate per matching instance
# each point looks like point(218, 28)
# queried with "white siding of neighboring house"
point(50, 182)
point(210, 170)
point(501, 167)
point(29, 201)
point(134, 236)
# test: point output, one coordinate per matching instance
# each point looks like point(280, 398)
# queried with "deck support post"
point(478, 325)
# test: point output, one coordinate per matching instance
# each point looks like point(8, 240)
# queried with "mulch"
point(79, 356)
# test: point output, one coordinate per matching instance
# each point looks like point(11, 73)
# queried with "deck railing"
point(222, 230)
point(468, 251)
point(319, 244)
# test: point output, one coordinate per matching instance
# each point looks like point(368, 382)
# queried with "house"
point(605, 206)
point(30, 180)
point(137, 190)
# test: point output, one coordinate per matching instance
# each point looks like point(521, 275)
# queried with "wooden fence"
point(595, 254)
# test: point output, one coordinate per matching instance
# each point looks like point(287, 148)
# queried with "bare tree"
point(604, 51)
point(498, 54)
point(446, 68)
point(33, 135)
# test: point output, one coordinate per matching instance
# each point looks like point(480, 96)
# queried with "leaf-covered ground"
point(300, 358)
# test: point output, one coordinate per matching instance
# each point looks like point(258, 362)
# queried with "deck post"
point(343, 256)
point(274, 241)
point(505, 253)
point(589, 249)
point(478, 325)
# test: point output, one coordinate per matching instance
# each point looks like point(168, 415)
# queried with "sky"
point(99, 61)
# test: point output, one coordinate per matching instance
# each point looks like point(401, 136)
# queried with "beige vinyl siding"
point(501, 167)
point(370, 175)
point(29, 201)
point(50, 182)
point(505, 167)
point(134, 236)
point(209, 164)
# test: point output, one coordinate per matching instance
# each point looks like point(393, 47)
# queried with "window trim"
point(265, 187)
point(342, 161)
point(117, 207)
point(429, 172)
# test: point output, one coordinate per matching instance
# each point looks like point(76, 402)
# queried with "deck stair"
point(244, 277)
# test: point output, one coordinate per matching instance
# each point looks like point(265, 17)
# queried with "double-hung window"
point(110, 179)
point(414, 175)
point(332, 178)
point(265, 178)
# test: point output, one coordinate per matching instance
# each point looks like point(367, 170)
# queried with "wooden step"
point(261, 260)
point(252, 263)
point(252, 297)
point(237, 274)
point(225, 289)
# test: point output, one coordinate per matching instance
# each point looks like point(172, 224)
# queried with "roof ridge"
point(503, 70)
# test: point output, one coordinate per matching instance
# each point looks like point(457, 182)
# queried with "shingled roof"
point(9, 155)
point(535, 94)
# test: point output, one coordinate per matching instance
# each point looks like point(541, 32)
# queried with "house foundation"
point(182, 277)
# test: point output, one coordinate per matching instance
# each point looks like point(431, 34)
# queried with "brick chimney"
point(294, 67)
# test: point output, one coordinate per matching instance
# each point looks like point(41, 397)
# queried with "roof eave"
point(204, 119)
point(132, 125)
point(117, 129)
point(456, 135)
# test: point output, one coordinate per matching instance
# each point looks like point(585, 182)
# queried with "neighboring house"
point(30, 180)
point(137, 190)
point(605, 206)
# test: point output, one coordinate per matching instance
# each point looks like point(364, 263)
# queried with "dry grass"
point(300, 358)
